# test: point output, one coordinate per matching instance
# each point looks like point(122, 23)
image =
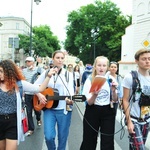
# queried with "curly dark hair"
point(12, 74)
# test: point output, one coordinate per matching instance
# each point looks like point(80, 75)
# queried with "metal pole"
point(31, 29)
point(94, 47)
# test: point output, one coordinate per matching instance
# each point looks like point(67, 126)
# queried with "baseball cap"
point(29, 59)
point(89, 68)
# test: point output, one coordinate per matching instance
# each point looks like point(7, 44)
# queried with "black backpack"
point(136, 86)
point(35, 76)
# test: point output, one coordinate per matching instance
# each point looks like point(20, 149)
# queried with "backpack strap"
point(67, 78)
point(39, 70)
point(136, 86)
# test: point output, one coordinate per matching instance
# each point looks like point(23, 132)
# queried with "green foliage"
point(44, 43)
point(98, 25)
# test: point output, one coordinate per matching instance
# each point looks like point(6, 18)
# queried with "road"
point(36, 141)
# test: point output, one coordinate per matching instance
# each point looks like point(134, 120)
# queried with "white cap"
point(29, 59)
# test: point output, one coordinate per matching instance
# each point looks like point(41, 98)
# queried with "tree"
point(98, 27)
point(44, 42)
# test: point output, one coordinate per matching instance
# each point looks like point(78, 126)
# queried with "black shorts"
point(8, 127)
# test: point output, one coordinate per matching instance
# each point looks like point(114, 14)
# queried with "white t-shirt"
point(145, 85)
point(77, 75)
point(103, 97)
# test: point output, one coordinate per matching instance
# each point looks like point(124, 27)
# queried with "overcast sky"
point(52, 12)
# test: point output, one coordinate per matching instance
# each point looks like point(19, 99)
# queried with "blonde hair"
point(94, 65)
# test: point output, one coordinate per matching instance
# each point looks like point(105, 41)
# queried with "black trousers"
point(29, 104)
point(98, 119)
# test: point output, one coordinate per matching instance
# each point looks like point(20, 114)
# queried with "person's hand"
point(130, 127)
point(69, 101)
point(42, 98)
point(114, 86)
point(52, 71)
point(96, 92)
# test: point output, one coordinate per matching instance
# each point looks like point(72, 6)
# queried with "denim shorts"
point(8, 127)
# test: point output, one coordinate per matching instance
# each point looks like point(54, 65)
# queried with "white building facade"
point(137, 35)
point(11, 27)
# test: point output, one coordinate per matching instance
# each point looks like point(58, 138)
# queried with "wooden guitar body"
point(50, 103)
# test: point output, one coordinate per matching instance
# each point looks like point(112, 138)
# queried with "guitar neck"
point(57, 97)
point(77, 98)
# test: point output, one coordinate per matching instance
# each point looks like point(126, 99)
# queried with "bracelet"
point(49, 76)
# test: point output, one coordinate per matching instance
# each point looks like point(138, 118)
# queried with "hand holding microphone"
point(52, 71)
point(113, 84)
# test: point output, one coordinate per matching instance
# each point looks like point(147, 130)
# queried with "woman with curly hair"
point(11, 130)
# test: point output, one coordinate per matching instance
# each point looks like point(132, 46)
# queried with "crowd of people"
point(67, 81)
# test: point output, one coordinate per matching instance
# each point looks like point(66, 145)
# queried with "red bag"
point(25, 124)
point(24, 120)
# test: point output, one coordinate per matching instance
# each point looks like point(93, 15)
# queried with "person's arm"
point(126, 107)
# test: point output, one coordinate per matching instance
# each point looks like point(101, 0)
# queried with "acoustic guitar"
point(52, 96)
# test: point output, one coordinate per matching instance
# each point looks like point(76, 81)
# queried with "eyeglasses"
point(27, 61)
point(113, 62)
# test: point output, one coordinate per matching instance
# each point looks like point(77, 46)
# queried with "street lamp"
point(37, 2)
point(94, 33)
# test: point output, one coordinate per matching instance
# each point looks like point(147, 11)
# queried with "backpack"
point(35, 76)
point(136, 86)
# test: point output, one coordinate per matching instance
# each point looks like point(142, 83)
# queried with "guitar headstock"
point(79, 98)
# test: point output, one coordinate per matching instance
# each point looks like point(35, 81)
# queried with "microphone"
point(110, 80)
point(58, 71)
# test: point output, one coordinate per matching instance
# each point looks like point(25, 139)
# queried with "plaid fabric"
point(137, 140)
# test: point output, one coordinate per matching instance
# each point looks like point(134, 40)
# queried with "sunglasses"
point(113, 62)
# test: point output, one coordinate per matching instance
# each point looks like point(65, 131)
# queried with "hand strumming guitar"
point(42, 98)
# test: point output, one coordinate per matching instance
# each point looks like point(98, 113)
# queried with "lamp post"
point(93, 36)
point(37, 2)
point(94, 33)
